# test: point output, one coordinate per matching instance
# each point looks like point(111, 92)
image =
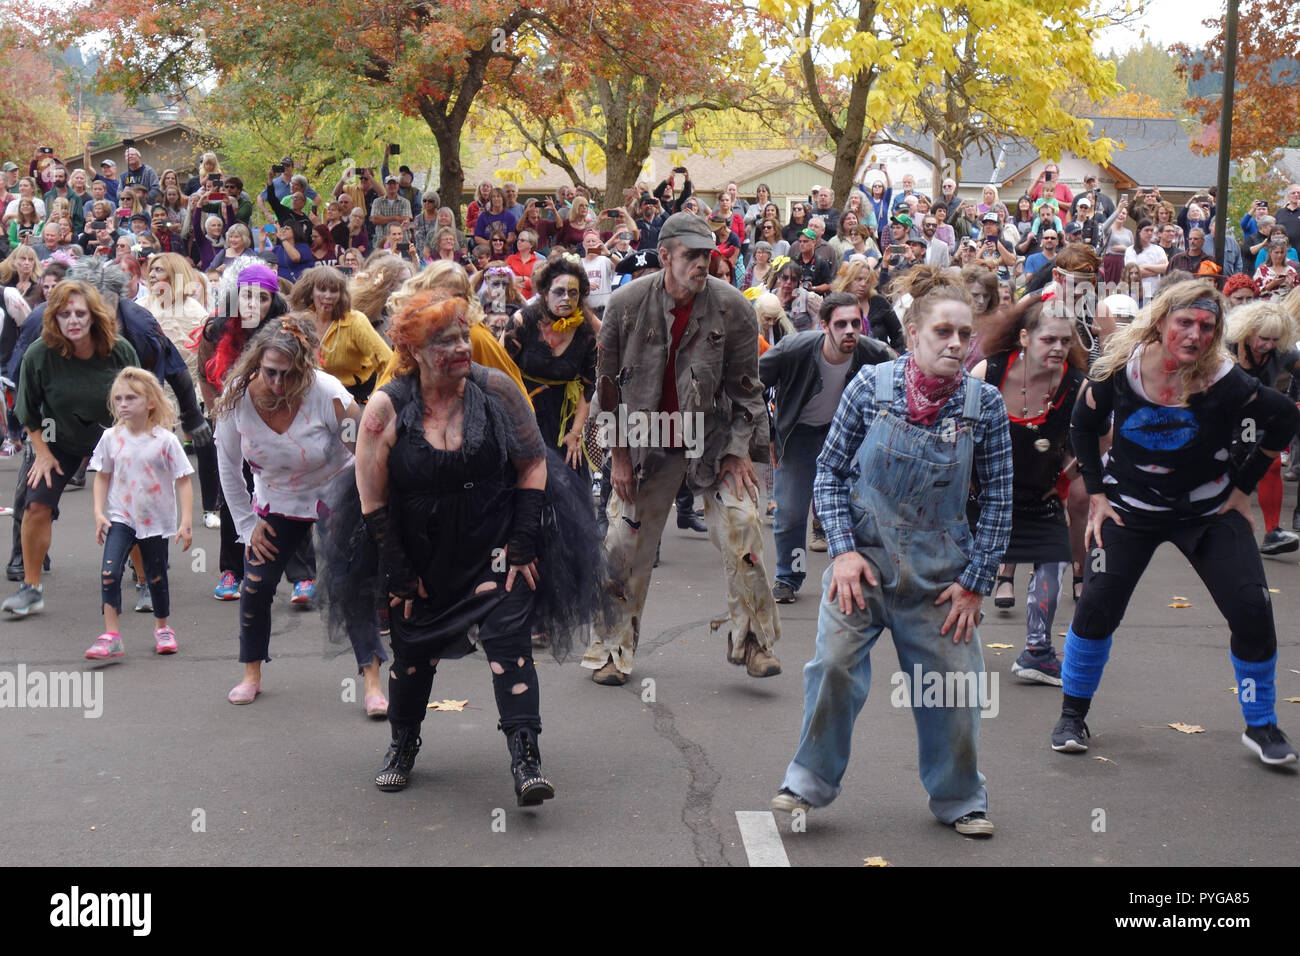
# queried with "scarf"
point(926, 394)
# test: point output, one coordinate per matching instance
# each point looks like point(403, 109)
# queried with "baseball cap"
point(808, 233)
point(108, 162)
point(688, 229)
point(10, 167)
point(1085, 202)
point(287, 161)
point(902, 219)
point(916, 240)
point(390, 178)
point(990, 217)
point(407, 170)
point(1073, 229)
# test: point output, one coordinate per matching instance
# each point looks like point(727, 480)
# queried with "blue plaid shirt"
point(836, 469)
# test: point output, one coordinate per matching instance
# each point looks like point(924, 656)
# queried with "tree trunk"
point(849, 145)
point(451, 174)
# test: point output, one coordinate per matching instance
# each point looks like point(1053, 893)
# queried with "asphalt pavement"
point(653, 773)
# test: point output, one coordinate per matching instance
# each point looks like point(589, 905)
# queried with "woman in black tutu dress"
point(1037, 362)
point(553, 342)
point(471, 534)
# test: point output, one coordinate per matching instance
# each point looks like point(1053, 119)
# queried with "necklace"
point(1024, 391)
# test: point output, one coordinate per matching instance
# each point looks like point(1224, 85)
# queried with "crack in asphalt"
point(697, 807)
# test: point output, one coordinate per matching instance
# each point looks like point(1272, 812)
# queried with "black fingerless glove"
point(522, 546)
point(1252, 471)
point(402, 579)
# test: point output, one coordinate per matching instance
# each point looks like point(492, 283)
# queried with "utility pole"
point(1225, 135)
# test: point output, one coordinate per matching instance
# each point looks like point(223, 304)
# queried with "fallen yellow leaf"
point(1292, 700)
point(1187, 728)
point(1001, 647)
point(1179, 597)
point(448, 705)
point(1274, 590)
point(875, 861)
point(1293, 670)
point(1103, 759)
point(1180, 605)
point(1233, 688)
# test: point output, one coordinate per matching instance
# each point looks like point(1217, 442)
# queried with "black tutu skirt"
point(1039, 536)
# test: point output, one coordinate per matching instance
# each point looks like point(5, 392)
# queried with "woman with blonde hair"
point(1177, 401)
point(380, 276)
point(879, 319)
point(20, 273)
point(988, 199)
point(574, 226)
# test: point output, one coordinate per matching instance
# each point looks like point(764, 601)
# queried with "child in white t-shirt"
point(142, 473)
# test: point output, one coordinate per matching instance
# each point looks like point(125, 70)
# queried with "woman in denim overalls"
point(891, 487)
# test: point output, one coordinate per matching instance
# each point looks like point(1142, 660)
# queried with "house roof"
point(709, 173)
point(1151, 152)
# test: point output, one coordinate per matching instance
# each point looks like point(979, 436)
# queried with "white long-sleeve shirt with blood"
point(144, 469)
point(293, 473)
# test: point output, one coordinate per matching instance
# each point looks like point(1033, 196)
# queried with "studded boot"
point(395, 774)
point(531, 788)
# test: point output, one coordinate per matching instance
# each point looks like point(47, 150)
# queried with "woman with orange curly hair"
point(453, 479)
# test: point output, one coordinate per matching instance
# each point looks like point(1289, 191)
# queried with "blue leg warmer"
point(1083, 664)
point(1255, 689)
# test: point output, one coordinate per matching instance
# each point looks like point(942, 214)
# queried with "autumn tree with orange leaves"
point(1266, 106)
point(431, 60)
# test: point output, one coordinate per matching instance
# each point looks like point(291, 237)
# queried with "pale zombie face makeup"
point(254, 305)
point(562, 296)
point(446, 356)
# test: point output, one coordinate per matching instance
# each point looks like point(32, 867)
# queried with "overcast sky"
point(1166, 22)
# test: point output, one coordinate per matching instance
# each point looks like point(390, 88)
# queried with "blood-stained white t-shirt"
point(293, 473)
point(144, 470)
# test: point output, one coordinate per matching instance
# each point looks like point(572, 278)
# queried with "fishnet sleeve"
point(523, 439)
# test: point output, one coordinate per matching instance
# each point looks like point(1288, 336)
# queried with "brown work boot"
point(609, 675)
point(758, 662)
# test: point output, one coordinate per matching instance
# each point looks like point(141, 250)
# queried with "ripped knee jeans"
point(260, 581)
point(117, 546)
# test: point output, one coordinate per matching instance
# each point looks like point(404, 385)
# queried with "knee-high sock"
point(1084, 661)
point(1270, 494)
point(1256, 691)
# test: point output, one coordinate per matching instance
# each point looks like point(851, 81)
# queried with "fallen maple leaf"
point(1293, 670)
point(1187, 728)
point(1001, 647)
point(1274, 590)
point(1103, 759)
point(1180, 605)
point(875, 861)
point(448, 705)
point(1179, 597)
point(1233, 688)
point(1292, 700)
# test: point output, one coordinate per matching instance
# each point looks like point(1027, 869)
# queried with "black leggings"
point(1222, 552)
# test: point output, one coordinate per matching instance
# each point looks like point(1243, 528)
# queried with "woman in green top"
point(63, 403)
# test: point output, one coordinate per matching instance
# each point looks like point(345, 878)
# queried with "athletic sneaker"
point(1278, 541)
point(227, 588)
point(303, 592)
point(212, 519)
point(1038, 666)
point(164, 640)
point(782, 593)
point(10, 448)
point(1071, 735)
point(105, 646)
point(1269, 744)
point(787, 801)
point(143, 599)
point(28, 599)
point(975, 823)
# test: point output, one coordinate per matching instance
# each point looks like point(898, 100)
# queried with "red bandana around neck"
point(926, 394)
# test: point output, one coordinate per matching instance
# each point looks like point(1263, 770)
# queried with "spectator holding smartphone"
point(1049, 184)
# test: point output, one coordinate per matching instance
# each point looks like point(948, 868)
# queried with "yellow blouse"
point(352, 351)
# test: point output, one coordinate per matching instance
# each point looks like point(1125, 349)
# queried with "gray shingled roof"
point(1151, 151)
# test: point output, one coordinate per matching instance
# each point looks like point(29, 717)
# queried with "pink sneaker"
point(164, 640)
point(105, 646)
point(244, 692)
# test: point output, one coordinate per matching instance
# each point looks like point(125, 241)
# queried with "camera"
point(278, 168)
point(394, 149)
point(679, 169)
point(403, 248)
point(128, 143)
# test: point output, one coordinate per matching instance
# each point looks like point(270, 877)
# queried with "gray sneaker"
point(783, 593)
point(28, 599)
point(787, 801)
point(143, 599)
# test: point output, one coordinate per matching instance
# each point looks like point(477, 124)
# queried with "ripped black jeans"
point(258, 592)
point(117, 545)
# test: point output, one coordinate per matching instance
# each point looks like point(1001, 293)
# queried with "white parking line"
point(761, 838)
